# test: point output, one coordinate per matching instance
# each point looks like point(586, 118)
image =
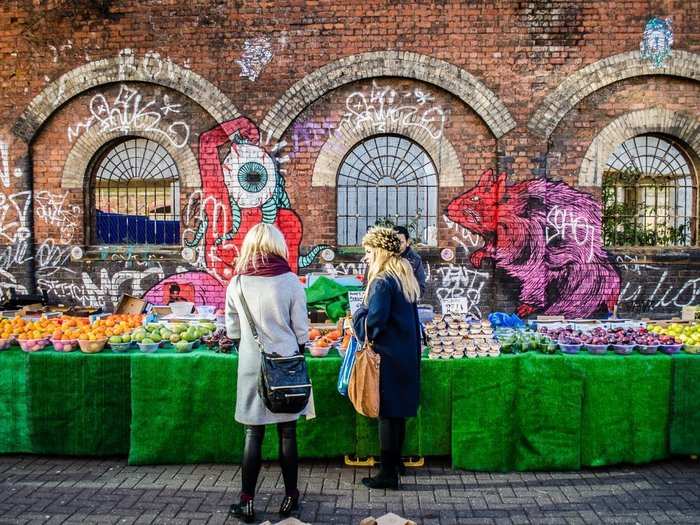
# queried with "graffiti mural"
point(546, 236)
point(129, 111)
point(244, 189)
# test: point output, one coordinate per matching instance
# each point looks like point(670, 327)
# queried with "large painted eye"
point(252, 177)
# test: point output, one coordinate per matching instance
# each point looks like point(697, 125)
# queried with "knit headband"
point(385, 238)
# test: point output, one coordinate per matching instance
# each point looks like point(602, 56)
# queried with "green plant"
point(624, 221)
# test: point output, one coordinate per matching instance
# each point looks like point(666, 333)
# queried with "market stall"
point(527, 411)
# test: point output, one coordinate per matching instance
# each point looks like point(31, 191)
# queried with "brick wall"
point(504, 88)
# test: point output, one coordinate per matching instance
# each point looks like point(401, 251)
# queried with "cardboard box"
point(161, 311)
point(130, 305)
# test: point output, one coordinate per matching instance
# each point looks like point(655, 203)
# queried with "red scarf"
point(267, 266)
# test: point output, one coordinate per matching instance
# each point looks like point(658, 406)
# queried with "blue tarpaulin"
point(115, 228)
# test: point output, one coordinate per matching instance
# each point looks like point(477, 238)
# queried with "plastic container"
point(691, 349)
point(569, 349)
point(92, 347)
point(181, 307)
point(5, 344)
point(206, 310)
point(319, 351)
point(623, 349)
point(597, 349)
point(671, 349)
point(120, 348)
point(64, 345)
point(183, 347)
point(647, 349)
point(33, 345)
point(148, 348)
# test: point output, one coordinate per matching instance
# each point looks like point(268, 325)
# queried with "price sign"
point(355, 299)
point(455, 305)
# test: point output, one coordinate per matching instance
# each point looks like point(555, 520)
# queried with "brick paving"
point(38, 489)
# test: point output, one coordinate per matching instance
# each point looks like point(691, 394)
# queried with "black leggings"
point(252, 456)
point(392, 431)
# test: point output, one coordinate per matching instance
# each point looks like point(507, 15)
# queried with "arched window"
point(382, 178)
point(136, 194)
point(649, 194)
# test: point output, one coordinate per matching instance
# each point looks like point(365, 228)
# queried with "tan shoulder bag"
point(363, 388)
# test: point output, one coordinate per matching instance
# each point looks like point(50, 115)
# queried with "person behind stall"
point(175, 295)
point(277, 303)
point(391, 316)
point(411, 256)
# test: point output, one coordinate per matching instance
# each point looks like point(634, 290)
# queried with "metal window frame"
point(430, 220)
point(90, 195)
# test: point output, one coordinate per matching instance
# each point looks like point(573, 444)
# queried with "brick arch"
point(593, 77)
point(655, 120)
point(347, 136)
point(400, 64)
point(123, 68)
point(90, 142)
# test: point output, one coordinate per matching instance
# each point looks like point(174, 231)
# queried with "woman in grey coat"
point(277, 303)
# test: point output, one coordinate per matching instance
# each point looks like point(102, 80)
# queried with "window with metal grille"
point(387, 178)
point(136, 194)
point(649, 194)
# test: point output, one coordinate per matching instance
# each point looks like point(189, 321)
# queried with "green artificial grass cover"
point(14, 423)
point(685, 418)
point(523, 412)
point(78, 404)
point(182, 408)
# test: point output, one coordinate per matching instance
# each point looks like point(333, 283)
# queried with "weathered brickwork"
point(539, 92)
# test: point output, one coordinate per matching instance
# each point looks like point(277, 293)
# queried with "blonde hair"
point(262, 240)
point(385, 262)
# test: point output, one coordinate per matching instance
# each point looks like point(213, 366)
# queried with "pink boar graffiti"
point(545, 235)
point(238, 192)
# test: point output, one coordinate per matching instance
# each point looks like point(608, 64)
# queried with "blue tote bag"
point(346, 367)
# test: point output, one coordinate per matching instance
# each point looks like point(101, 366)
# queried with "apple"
point(182, 346)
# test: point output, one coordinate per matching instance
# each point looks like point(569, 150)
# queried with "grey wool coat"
point(278, 307)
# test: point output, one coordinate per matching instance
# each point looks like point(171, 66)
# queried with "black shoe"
point(243, 511)
point(402, 468)
point(383, 480)
point(289, 504)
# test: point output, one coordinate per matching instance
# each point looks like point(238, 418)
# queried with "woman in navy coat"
point(391, 317)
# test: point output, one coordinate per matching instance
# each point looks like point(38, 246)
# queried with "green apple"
point(165, 333)
point(155, 335)
point(174, 338)
point(126, 339)
point(153, 326)
point(115, 339)
point(138, 336)
point(148, 341)
point(190, 335)
point(179, 327)
point(182, 346)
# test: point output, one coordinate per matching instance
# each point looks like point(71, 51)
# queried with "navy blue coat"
point(392, 323)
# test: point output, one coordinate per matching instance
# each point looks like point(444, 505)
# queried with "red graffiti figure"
point(545, 235)
point(244, 189)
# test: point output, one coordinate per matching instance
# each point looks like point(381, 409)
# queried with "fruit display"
point(687, 335)
point(321, 341)
point(92, 346)
point(518, 341)
point(219, 341)
point(452, 337)
point(622, 341)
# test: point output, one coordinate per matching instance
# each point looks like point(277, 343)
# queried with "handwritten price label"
point(457, 305)
point(355, 299)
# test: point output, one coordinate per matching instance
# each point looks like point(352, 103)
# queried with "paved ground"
point(37, 489)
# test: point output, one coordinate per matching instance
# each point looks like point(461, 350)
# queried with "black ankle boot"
point(289, 504)
point(388, 476)
point(384, 480)
point(244, 511)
